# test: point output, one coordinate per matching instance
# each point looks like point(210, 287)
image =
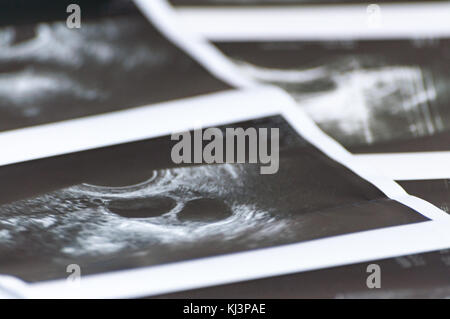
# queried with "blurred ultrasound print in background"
point(129, 205)
point(116, 60)
point(370, 95)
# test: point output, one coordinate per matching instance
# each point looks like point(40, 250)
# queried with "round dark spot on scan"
point(205, 210)
point(142, 207)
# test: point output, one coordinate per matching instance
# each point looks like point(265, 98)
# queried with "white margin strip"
point(409, 166)
point(135, 124)
point(409, 20)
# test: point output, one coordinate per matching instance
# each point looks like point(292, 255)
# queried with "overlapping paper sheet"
point(88, 179)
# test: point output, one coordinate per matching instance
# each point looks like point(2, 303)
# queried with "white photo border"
point(410, 165)
point(317, 22)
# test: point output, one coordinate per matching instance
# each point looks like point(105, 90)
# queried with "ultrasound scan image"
point(116, 60)
point(371, 95)
point(129, 206)
point(419, 276)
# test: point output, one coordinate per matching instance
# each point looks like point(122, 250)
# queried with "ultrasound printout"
point(129, 206)
point(116, 60)
point(372, 96)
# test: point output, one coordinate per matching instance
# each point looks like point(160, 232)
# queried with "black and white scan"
point(222, 149)
point(372, 96)
point(135, 211)
point(116, 60)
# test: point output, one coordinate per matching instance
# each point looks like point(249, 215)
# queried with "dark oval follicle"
point(142, 207)
point(205, 210)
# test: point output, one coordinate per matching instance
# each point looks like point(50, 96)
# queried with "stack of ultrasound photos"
point(93, 204)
